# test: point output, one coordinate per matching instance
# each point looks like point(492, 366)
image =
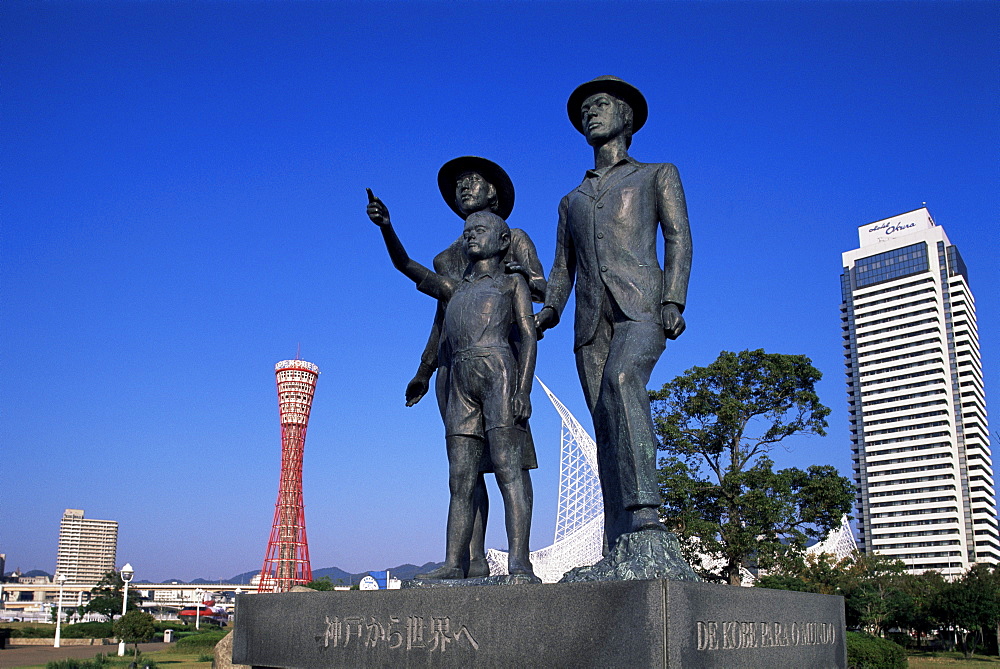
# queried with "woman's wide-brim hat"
point(619, 88)
point(489, 170)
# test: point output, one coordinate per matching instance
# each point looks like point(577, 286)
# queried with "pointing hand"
point(377, 211)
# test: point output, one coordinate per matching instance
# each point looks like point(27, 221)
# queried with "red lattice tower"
point(286, 562)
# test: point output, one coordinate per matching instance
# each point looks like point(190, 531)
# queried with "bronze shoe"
point(441, 573)
point(478, 568)
point(646, 518)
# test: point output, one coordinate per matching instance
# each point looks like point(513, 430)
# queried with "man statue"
point(627, 305)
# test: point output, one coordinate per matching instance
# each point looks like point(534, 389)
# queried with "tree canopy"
point(322, 583)
point(106, 596)
point(970, 606)
point(881, 595)
point(717, 425)
point(135, 627)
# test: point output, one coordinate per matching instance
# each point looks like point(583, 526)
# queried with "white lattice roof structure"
point(840, 542)
point(579, 536)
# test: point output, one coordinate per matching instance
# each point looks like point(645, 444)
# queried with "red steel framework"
point(286, 562)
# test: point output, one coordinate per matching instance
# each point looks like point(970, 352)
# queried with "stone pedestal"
point(630, 624)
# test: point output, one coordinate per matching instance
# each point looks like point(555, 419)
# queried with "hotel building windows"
point(915, 394)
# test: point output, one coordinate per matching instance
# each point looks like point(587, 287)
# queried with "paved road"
point(27, 656)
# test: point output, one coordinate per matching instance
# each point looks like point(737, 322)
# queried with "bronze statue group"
point(483, 341)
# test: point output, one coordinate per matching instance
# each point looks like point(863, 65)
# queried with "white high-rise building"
point(87, 547)
point(919, 435)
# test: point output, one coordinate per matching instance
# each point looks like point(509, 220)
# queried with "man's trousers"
point(614, 368)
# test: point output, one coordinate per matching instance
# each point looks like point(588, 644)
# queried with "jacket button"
point(600, 205)
point(600, 235)
point(604, 268)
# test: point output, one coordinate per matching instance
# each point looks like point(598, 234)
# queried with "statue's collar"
point(593, 173)
point(472, 276)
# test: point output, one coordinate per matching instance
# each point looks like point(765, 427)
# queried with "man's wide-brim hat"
point(489, 170)
point(619, 88)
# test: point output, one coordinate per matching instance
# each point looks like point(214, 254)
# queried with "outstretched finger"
point(371, 196)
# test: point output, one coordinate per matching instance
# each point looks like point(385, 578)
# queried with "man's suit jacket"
point(607, 238)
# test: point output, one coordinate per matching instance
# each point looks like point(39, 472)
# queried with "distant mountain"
point(406, 572)
point(403, 572)
point(37, 572)
point(33, 572)
point(338, 576)
point(242, 579)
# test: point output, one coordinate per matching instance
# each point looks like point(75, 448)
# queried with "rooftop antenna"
point(298, 351)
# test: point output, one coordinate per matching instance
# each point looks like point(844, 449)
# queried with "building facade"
point(87, 547)
point(919, 436)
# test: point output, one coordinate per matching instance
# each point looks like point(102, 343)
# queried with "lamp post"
point(197, 615)
point(62, 581)
point(239, 591)
point(127, 574)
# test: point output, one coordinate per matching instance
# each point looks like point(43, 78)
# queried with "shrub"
point(99, 662)
point(869, 652)
point(184, 632)
point(135, 627)
point(199, 641)
point(783, 582)
point(46, 632)
point(87, 631)
point(901, 638)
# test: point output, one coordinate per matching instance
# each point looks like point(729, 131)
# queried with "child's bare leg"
point(463, 468)
point(477, 545)
point(463, 460)
point(506, 452)
point(529, 493)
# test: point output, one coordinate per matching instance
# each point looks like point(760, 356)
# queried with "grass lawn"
point(169, 659)
point(925, 660)
point(197, 659)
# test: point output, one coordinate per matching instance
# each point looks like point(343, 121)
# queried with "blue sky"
point(183, 206)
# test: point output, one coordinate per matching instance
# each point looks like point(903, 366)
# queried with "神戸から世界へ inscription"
point(405, 633)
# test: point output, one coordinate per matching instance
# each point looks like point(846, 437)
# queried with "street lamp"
point(239, 591)
point(62, 581)
point(127, 574)
point(197, 615)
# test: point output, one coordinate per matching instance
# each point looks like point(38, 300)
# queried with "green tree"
point(921, 591)
point(821, 573)
point(879, 592)
point(784, 582)
point(106, 596)
point(135, 627)
point(717, 425)
point(991, 582)
point(873, 592)
point(323, 583)
point(970, 606)
point(824, 572)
